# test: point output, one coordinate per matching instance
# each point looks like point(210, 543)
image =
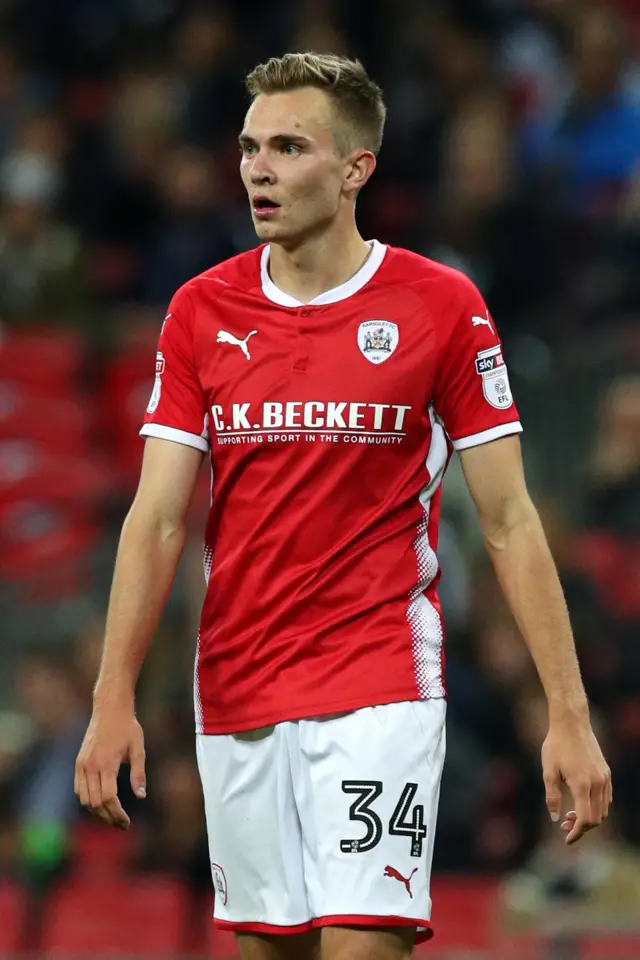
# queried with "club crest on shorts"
point(154, 399)
point(219, 882)
point(378, 339)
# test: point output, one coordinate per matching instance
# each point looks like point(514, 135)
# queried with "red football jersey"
point(329, 426)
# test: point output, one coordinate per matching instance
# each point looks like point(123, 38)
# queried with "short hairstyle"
point(358, 101)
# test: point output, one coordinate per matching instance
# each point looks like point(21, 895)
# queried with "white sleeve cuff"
point(177, 436)
point(493, 433)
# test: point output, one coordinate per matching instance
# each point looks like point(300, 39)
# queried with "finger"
point(597, 798)
point(76, 780)
point(82, 789)
point(553, 794)
point(94, 792)
point(112, 810)
point(91, 794)
point(138, 774)
point(608, 794)
point(95, 805)
point(577, 834)
point(568, 822)
point(581, 793)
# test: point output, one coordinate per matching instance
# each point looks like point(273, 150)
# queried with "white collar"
point(345, 290)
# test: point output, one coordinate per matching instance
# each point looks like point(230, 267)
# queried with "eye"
point(290, 149)
point(247, 149)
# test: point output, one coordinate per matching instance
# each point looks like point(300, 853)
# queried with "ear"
point(359, 169)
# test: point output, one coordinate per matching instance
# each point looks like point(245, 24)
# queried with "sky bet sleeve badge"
point(491, 367)
point(154, 399)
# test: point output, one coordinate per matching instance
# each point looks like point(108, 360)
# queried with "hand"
point(113, 737)
point(571, 754)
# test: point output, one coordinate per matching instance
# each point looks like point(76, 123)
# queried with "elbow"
point(513, 517)
point(155, 527)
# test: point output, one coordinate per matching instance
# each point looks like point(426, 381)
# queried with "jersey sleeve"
point(177, 408)
point(472, 391)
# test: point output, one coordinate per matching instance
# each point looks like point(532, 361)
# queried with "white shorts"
point(327, 821)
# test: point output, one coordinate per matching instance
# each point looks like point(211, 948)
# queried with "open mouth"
point(263, 206)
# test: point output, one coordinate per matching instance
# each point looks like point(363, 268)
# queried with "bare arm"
point(525, 569)
point(150, 546)
point(526, 572)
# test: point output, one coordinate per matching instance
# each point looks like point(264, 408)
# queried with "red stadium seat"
point(30, 473)
point(45, 362)
point(590, 945)
point(617, 946)
point(50, 555)
point(464, 918)
point(12, 907)
point(128, 384)
point(58, 424)
point(222, 944)
point(206, 940)
point(464, 914)
point(99, 851)
point(137, 918)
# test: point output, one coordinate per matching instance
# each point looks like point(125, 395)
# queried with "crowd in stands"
point(512, 152)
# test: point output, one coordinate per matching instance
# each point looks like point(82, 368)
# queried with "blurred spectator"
point(41, 271)
point(608, 556)
point(87, 655)
point(9, 834)
point(43, 782)
point(608, 548)
point(176, 840)
point(15, 737)
point(191, 232)
point(317, 30)
point(489, 674)
point(20, 92)
point(567, 892)
point(614, 503)
point(590, 143)
point(487, 225)
point(211, 94)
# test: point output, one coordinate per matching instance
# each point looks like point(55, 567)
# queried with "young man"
point(328, 379)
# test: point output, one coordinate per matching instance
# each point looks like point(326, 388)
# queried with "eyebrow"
point(276, 141)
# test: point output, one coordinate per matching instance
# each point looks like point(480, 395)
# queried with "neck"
point(318, 264)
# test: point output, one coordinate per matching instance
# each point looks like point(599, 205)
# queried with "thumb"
point(138, 775)
point(553, 795)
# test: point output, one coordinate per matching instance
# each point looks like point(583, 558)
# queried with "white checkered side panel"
point(197, 701)
point(207, 562)
point(423, 618)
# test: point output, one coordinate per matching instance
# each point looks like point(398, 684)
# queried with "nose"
point(261, 172)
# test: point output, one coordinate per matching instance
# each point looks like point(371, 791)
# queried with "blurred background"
point(512, 152)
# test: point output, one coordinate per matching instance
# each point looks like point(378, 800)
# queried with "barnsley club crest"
point(219, 882)
point(377, 339)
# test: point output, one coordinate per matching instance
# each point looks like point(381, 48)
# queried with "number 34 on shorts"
point(407, 819)
point(316, 820)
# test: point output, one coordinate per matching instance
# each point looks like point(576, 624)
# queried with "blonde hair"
point(358, 101)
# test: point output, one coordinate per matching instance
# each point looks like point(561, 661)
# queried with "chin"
point(271, 232)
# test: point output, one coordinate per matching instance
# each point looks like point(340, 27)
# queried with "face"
point(47, 694)
point(598, 54)
point(291, 168)
point(477, 158)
